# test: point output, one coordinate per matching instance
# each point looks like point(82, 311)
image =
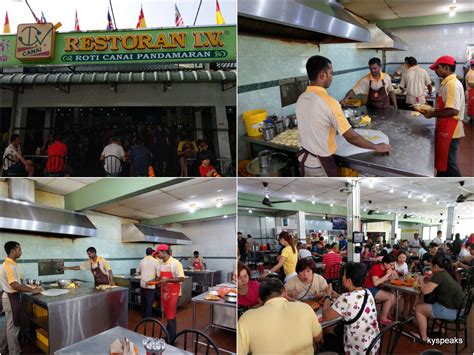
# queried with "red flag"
point(76, 23)
point(141, 19)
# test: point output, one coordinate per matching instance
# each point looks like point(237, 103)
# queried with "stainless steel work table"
point(71, 317)
point(100, 343)
point(204, 277)
point(222, 304)
point(411, 138)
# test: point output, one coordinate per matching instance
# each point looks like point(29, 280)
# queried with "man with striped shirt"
point(330, 259)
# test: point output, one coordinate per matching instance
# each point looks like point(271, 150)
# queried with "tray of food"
point(423, 108)
point(313, 304)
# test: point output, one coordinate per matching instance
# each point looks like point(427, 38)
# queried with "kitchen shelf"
point(41, 322)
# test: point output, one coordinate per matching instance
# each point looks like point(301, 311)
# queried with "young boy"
point(206, 169)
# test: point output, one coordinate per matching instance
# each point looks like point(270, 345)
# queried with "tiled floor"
point(466, 152)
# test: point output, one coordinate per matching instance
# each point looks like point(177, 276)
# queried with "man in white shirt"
point(401, 70)
point(115, 149)
point(415, 243)
point(437, 239)
point(149, 269)
point(414, 81)
point(303, 252)
point(13, 160)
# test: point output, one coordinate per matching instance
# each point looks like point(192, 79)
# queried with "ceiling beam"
point(445, 19)
point(200, 214)
point(110, 190)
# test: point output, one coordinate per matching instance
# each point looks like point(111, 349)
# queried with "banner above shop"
point(35, 44)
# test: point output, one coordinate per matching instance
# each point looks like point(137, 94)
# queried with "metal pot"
point(265, 158)
point(268, 132)
point(231, 298)
point(279, 127)
point(293, 121)
point(63, 283)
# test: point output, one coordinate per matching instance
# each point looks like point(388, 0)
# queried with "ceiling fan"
point(371, 211)
point(464, 197)
point(406, 215)
point(266, 199)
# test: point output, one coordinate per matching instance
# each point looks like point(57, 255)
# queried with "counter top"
point(411, 139)
point(86, 290)
point(200, 271)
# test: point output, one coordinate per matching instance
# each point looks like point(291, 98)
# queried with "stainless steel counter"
point(79, 314)
point(204, 277)
point(411, 138)
point(100, 343)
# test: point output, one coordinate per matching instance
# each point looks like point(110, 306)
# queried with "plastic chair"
point(54, 166)
point(461, 319)
point(114, 164)
point(10, 160)
point(196, 348)
point(392, 339)
point(155, 323)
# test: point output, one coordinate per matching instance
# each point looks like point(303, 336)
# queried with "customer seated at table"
point(329, 259)
point(57, 148)
point(465, 254)
point(13, 160)
point(367, 253)
point(422, 250)
point(428, 257)
point(303, 251)
point(401, 266)
point(388, 248)
point(288, 257)
point(279, 326)
point(404, 246)
point(448, 294)
point(356, 305)
point(307, 284)
point(247, 289)
point(395, 250)
point(378, 274)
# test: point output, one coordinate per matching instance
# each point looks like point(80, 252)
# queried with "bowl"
point(63, 283)
point(231, 299)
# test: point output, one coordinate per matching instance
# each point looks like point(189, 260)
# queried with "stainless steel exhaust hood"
point(382, 39)
point(319, 21)
point(140, 233)
point(25, 217)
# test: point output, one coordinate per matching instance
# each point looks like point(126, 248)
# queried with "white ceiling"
point(326, 191)
point(175, 199)
point(394, 9)
point(170, 200)
point(62, 186)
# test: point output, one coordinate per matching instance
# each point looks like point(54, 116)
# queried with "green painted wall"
point(201, 214)
point(460, 17)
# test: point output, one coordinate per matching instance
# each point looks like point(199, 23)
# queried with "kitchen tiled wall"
point(216, 238)
point(427, 43)
point(263, 59)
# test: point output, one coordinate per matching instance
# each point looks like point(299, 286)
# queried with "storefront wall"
point(132, 95)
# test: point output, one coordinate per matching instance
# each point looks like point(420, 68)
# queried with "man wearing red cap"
point(170, 278)
point(449, 113)
point(470, 92)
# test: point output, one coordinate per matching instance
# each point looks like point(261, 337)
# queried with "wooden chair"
point(460, 323)
point(197, 347)
point(162, 332)
point(54, 166)
point(114, 164)
point(393, 339)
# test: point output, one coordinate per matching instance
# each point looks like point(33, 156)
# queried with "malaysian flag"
point(76, 23)
point(110, 25)
point(178, 19)
point(141, 20)
point(6, 26)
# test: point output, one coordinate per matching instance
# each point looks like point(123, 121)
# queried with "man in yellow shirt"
point(11, 301)
point(449, 113)
point(319, 118)
point(376, 85)
point(414, 81)
point(470, 93)
point(100, 268)
point(279, 326)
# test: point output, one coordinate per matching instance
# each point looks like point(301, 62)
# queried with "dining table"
point(100, 343)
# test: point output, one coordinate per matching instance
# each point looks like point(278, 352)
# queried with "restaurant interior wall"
point(382, 226)
point(262, 229)
point(122, 257)
point(426, 43)
point(263, 61)
point(215, 240)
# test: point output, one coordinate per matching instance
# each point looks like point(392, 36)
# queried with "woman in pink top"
point(247, 289)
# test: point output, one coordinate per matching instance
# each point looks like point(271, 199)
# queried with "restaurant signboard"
point(162, 45)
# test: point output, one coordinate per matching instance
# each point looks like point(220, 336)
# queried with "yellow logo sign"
point(35, 41)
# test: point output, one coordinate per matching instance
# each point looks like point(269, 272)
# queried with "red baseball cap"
point(445, 59)
point(161, 247)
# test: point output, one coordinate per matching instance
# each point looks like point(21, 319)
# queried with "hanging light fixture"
point(219, 203)
point(192, 208)
point(391, 190)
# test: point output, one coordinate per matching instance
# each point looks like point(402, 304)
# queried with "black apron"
point(378, 98)
point(328, 164)
point(15, 303)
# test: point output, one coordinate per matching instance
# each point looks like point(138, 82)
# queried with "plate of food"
point(313, 304)
point(211, 297)
point(397, 282)
point(423, 108)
